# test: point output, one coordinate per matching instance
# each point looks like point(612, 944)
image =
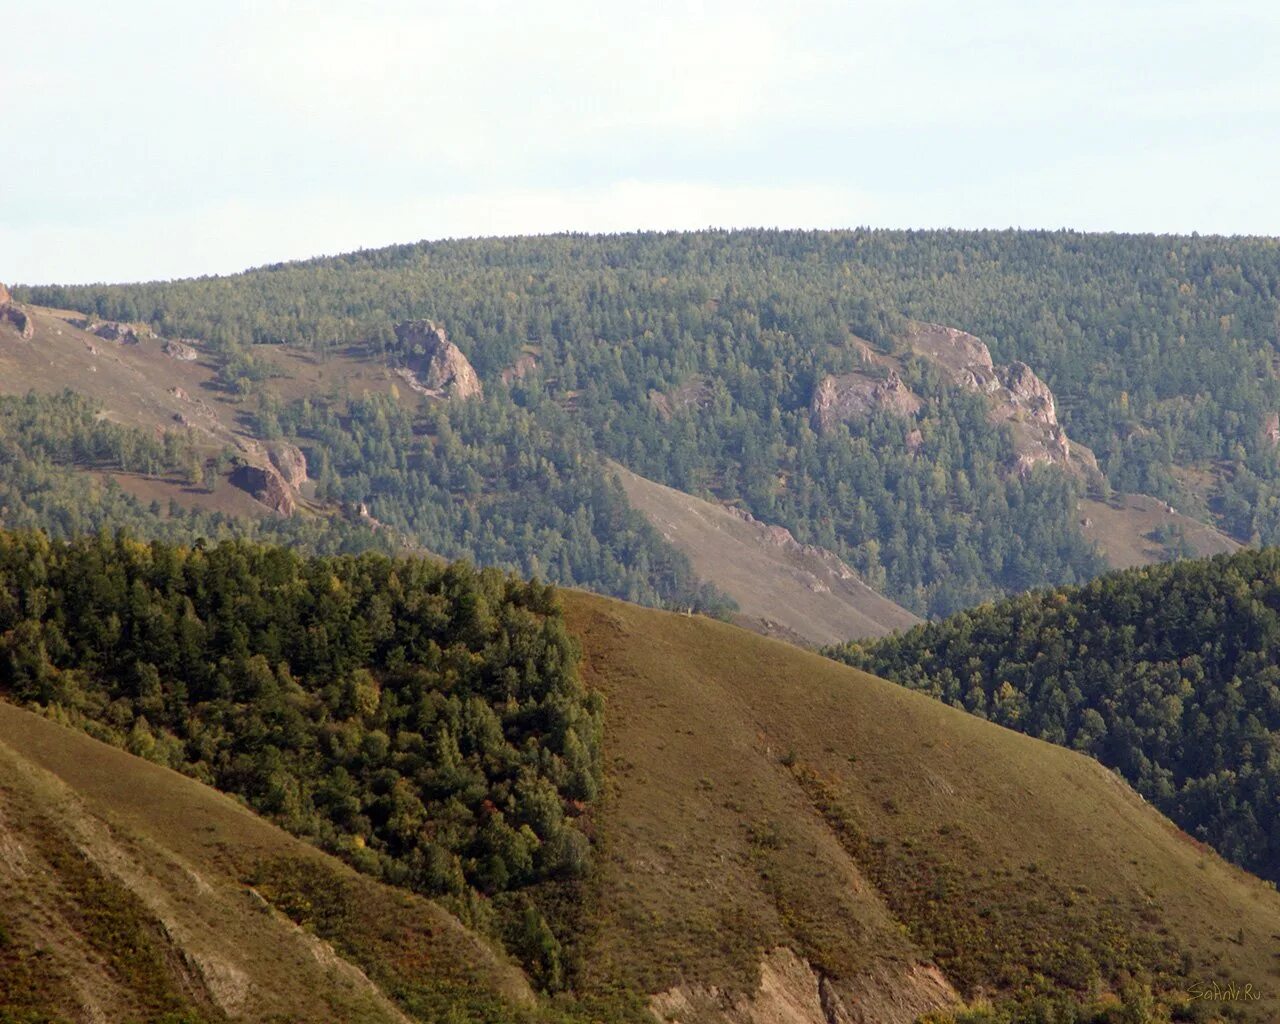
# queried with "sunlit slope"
point(780, 827)
point(128, 891)
point(782, 588)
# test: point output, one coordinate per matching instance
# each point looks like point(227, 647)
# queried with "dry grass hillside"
point(788, 839)
point(783, 840)
point(1127, 531)
point(782, 588)
point(128, 891)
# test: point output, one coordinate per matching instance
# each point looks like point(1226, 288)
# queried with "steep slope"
point(782, 588)
point(787, 839)
point(128, 891)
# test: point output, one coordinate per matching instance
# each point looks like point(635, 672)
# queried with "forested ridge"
point(425, 722)
point(692, 358)
point(1169, 674)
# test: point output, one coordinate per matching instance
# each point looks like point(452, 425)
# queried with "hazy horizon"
point(159, 143)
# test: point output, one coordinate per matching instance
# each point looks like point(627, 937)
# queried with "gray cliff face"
point(1016, 395)
point(435, 363)
point(854, 396)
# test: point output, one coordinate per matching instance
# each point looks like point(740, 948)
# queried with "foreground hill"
point(128, 891)
point(788, 839)
point(1167, 674)
point(648, 812)
point(781, 587)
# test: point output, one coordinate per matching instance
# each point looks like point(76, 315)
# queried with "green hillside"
point(1168, 674)
point(646, 811)
point(694, 358)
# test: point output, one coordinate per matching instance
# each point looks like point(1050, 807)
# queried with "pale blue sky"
point(146, 140)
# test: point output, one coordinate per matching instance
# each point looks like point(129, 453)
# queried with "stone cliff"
point(435, 363)
point(1016, 395)
point(857, 395)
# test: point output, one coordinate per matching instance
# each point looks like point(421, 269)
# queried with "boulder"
point(436, 362)
point(289, 461)
point(266, 485)
point(121, 334)
point(180, 350)
point(524, 365)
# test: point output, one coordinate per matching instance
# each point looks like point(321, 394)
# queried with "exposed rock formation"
point(1017, 396)
point(1271, 429)
point(20, 319)
point(290, 461)
point(180, 350)
point(524, 365)
point(436, 363)
point(857, 395)
point(792, 991)
point(266, 485)
point(121, 333)
point(12, 313)
point(694, 393)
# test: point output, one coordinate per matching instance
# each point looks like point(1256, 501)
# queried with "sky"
point(149, 140)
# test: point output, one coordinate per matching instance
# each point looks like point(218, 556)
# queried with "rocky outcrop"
point(694, 393)
point(1271, 429)
point(266, 485)
point(524, 365)
point(289, 461)
point(857, 396)
point(120, 333)
point(792, 991)
point(181, 351)
point(1017, 397)
point(12, 313)
point(20, 319)
point(436, 364)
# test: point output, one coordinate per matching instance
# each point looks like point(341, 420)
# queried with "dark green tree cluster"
point(1169, 674)
point(426, 722)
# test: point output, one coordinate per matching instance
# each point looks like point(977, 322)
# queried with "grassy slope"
point(1121, 530)
point(123, 890)
point(780, 589)
point(762, 796)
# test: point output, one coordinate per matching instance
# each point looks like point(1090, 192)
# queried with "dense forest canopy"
point(426, 722)
point(692, 358)
point(1169, 674)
